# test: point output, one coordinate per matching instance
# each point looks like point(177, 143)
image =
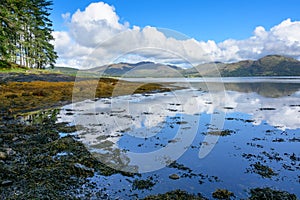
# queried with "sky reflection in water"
point(146, 133)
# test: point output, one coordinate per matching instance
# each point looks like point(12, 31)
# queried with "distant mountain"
point(141, 69)
point(271, 65)
point(207, 69)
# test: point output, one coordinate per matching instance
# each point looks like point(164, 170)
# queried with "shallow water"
point(176, 132)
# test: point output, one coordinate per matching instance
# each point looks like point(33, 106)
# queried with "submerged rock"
point(174, 176)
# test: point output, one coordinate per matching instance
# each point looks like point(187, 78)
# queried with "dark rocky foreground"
point(35, 163)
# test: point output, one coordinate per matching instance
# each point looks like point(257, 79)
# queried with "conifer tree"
point(26, 33)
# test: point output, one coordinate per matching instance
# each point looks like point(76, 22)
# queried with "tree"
point(26, 33)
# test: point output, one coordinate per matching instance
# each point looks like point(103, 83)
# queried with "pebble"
point(3, 155)
point(174, 176)
point(6, 152)
point(10, 151)
point(7, 182)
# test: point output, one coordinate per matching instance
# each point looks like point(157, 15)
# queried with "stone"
point(10, 151)
point(3, 155)
point(174, 176)
point(6, 182)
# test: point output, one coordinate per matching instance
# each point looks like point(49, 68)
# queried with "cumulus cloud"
point(95, 36)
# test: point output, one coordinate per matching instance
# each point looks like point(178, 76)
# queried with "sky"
point(89, 33)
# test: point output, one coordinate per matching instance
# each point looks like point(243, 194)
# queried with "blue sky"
point(227, 31)
point(201, 19)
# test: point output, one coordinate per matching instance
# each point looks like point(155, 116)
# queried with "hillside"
point(141, 69)
point(207, 69)
point(271, 65)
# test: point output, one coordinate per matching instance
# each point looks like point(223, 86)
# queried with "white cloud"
point(96, 23)
point(281, 39)
point(96, 36)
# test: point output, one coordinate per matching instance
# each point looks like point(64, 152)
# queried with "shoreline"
point(35, 162)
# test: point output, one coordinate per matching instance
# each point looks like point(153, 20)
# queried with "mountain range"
point(141, 69)
point(271, 65)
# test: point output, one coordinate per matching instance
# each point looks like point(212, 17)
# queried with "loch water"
point(234, 134)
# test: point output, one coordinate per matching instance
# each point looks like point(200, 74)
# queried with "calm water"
point(176, 132)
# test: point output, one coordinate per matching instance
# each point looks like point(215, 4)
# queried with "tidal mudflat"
point(237, 138)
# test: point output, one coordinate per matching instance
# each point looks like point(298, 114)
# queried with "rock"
point(174, 176)
point(5, 152)
point(172, 141)
point(6, 182)
point(222, 194)
point(3, 155)
point(83, 167)
point(10, 151)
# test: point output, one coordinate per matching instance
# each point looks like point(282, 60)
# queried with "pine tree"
point(26, 33)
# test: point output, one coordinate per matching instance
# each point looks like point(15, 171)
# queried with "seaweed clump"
point(268, 193)
point(263, 170)
point(176, 194)
point(35, 163)
point(222, 194)
point(143, 184)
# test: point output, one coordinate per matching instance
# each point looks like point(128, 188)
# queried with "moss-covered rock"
point(222, 194)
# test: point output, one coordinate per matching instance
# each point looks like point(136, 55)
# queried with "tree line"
point(26, 33)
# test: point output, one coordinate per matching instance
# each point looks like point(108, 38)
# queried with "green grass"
point(73, 72)
point(7, 67)
point(24, 71)
point(63, 70)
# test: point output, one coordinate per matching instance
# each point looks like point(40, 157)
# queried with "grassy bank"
point(20, 97)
